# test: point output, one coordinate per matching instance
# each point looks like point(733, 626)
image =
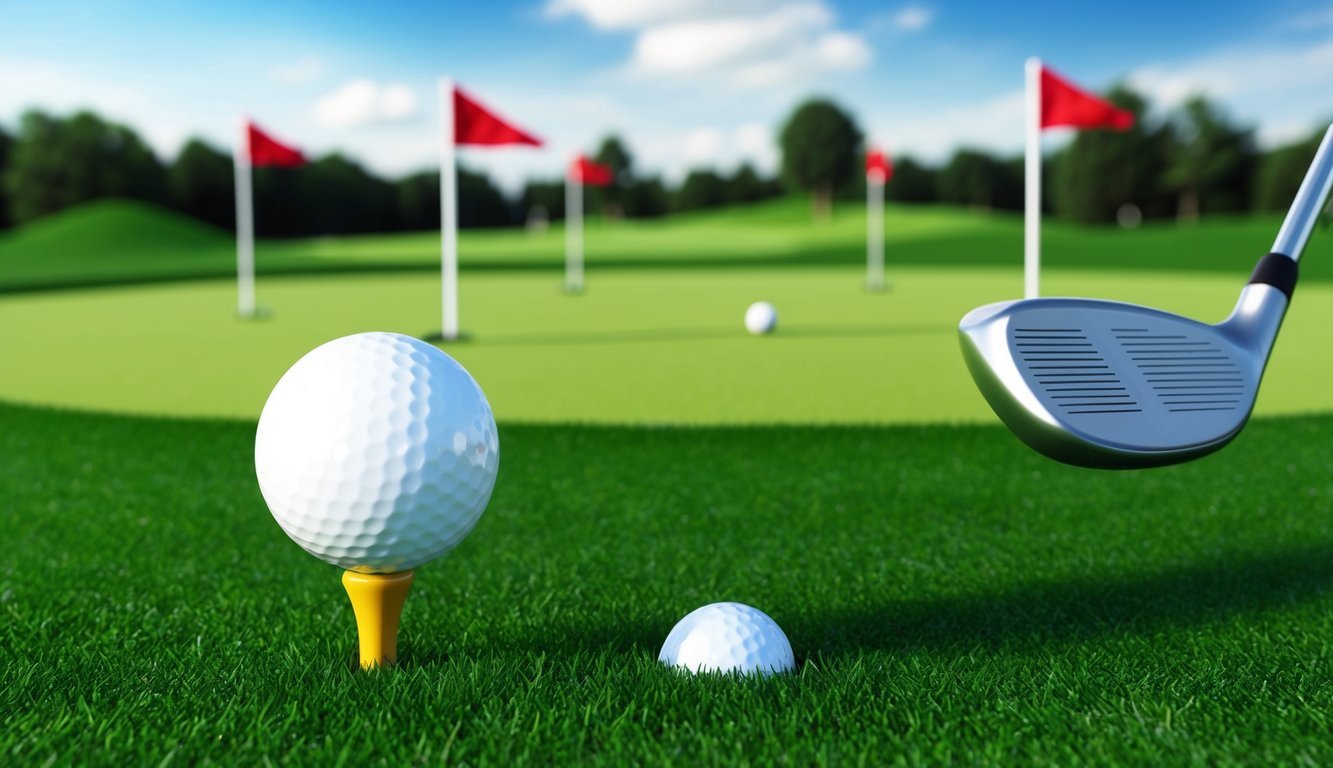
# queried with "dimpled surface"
point(761, 318)
point(728, 637)
point(376, 452)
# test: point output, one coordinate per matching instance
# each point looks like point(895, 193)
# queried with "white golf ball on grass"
point(761, 318)
point(377, 452)
point(728, 637)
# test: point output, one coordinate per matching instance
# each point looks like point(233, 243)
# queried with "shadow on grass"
point(1026, 616)
point(636, 635)
point(1022, 618)
point(649, 335)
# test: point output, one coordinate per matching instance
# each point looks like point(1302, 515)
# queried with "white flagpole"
point(1032, 183)
point(573, 233)
point(874, 230)
point(245, 223)
point(448, 214)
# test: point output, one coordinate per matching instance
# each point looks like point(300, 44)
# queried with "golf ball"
point(376, 452)
point(761, 318)
point(728, 637)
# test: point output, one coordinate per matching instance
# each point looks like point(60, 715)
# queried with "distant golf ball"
point(376, 452)
point(728, 637)
point(761, 318)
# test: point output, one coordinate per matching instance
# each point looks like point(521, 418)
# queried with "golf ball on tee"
point(376, 452)
point(761, 318)
point(728, 637)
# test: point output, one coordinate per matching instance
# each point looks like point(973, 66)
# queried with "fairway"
point(951, 597)
point(641, 346)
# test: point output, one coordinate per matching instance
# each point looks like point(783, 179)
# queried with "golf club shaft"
point(1309, 202)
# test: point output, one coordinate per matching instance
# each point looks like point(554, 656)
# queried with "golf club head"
point(1118, 386)
point(1110, 385)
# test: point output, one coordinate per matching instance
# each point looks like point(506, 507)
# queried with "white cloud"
point(365, 102)
point(1282, 91)
point(1274, 133)
point(702, 146)
point(724, 149)
point(1230, 74)
point(933, 134)
point(398, 102)
point(755, 141)
point(1312, 20)
point(54, 87)
point(913, 18)
point(306, 69)
point(635, 14)
point(747, 43)
point(842, 51)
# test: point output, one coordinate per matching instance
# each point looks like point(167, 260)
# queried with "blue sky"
point(686, 82)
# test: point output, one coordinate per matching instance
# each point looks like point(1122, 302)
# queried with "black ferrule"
point(1276, 270)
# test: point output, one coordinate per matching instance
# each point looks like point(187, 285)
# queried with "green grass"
point(124, 242)
point(641, 346)
point(112, 241)
point(951, 597)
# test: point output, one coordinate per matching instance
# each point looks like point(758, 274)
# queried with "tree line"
point(55, 162)
point(1190, 162)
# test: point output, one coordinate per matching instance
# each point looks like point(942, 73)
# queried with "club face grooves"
point(1110, 385)
point(1188, 388)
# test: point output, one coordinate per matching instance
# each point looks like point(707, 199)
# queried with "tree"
point(333, 195)
point(1211, 163)
point(418, 202)
point(57, 162)
point(1100, 171)
point(201, 182)
point(480, 203)
point(612, 198)
point(337, 196)
point(701, 189)
point(646, 198)
point(821, 151)
point(977, 179)
point(912, 182)
point(1280, 172)
point(745, 186)
point(548, 195)
point(6, 141)
point(614, 153)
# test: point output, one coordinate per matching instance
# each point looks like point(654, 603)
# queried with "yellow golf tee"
point(377, 600)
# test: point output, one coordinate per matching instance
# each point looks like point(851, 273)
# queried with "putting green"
point(641, 346)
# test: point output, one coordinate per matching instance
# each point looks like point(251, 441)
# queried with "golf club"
point(1111, 385)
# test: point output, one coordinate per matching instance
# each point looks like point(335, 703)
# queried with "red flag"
point(475, 124)
point(1065, 104)
point(879, 168)
point(266, 150)
point(591, 173)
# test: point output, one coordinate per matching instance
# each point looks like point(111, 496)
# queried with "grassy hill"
point(111, 241)
point(123, 242)
point(115, 242)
